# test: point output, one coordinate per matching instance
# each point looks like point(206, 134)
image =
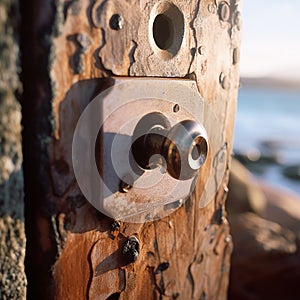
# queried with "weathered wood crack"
point(194, 35)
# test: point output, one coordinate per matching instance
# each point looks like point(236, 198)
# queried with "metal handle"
point(184, 147)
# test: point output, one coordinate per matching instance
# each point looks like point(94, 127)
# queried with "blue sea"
point(268, 122)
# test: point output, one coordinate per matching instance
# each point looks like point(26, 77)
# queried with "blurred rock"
point(265, 260)
point(282, 207)
point(292, 172)
point(257, 156)
point(257, 236)
point(245, 194)
point(271, 144)
point(265, 227)
point(280, 143)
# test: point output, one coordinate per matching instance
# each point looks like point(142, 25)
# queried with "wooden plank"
point(183, 256)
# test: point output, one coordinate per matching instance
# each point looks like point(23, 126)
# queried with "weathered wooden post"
point(72, 51)
point(12, 229)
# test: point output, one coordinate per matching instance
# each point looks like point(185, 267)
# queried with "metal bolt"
point(224, 81)
point(131, 249)
point(201, 50)
point(115, 226)
point(236, 56)
point(224, 11)
point(126, 184)
point(116, 22)
point(176, 108)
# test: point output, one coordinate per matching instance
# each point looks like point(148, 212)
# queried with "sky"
point(271, 38)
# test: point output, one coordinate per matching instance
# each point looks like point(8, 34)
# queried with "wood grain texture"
point(183, 256)
point(12, 229)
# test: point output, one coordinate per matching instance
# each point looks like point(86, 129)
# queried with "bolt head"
point(201, 50)
point(116, 22)
point(224, 11)
point(224, 81)
point(131, 249)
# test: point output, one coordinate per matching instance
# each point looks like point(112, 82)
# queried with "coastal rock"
point(245, 194)
point(292, 172)
point(265, 226)
point(282, 207)
point(258, 156)
point(265, 260)
point(271, 144)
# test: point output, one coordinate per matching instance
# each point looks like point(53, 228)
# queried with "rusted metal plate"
point(116, 113)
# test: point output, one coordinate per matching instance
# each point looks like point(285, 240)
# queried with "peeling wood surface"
point(183, 256)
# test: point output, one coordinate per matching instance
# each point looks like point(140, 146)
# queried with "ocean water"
point(268, 122)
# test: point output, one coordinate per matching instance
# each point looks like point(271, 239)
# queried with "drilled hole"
point(167, 30)
point(116, 22)
point(163, 32)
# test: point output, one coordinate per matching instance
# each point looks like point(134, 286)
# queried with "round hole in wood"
point(163, 31)
point(166, 30)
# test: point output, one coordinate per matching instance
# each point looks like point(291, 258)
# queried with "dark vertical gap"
point(35, 32)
